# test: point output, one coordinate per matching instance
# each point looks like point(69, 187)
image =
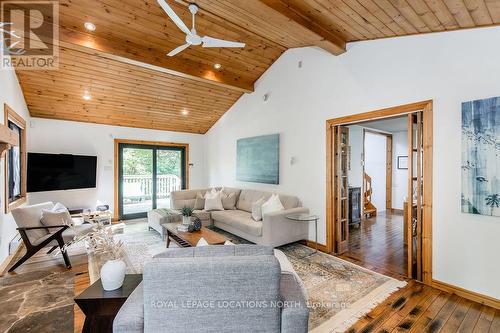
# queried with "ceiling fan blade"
point(174, 17)
point(178, 49)
point(215, 42)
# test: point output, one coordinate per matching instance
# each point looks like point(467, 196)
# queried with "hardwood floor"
point(378, 244)
point(420, 308)
point(415, 308)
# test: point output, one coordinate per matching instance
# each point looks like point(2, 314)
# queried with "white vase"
point(113, 274)
point(186, 219)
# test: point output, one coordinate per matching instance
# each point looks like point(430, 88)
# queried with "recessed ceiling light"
point(185, 112)
point(217, 66)
point(89, 26)
point(87, 97)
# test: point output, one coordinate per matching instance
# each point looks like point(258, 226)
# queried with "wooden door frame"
point(388, 163)
point(117, 143)
point(426, 107)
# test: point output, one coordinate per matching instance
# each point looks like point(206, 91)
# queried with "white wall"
point(449, 68)
point(10, 93)
point(56, 136)
point(399, 176)
point(375, 167)
point(355, 173)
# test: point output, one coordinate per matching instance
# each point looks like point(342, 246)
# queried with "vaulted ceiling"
point(123, 65)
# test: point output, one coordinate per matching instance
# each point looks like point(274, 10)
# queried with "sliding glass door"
point(147, 175)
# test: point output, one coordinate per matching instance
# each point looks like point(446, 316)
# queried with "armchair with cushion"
point(36, 236)
point(215, 289)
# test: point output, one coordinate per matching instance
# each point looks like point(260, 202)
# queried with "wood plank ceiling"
point(123, 67)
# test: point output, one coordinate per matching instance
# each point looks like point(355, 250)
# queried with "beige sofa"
point(274, 229)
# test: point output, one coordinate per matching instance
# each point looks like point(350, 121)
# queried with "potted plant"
point(100, 241)
point(187, 212)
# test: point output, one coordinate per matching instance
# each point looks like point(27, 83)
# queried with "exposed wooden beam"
point(325, 39)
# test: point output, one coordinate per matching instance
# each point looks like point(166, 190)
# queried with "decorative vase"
point(186, 219)
point(197, 224)
point(113, 274)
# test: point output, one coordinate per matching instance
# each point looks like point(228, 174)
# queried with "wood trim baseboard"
point(397, 211)
point(321, 247)
point(470, 295)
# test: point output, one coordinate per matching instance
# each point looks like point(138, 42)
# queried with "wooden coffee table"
point(188, 239)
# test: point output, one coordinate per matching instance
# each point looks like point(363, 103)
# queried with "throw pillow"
point(202, 242)
point(257, 209)
point(59, 207)
point(52, 218)
point(228, 199)
point(213, 202)
point(199, 202)
point(272, 205)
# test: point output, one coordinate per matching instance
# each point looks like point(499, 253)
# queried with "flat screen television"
point(51, 172)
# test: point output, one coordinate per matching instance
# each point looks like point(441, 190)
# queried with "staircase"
point(369, 209)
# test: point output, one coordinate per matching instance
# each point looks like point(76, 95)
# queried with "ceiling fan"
point(192, 37)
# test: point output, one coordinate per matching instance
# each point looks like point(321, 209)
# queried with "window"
point(15, 162)
point(14, 168)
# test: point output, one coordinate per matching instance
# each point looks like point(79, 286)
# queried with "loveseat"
point(242, 288)
point(273, 230)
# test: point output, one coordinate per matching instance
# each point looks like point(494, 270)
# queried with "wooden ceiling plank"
point(426, 14)
point(346, 7)
point(83, 77)
point(460, 12)
point(159, 30)
point(136, 100)
point(409, 13)
point(181, 68)
point(111, 122)
point(326, 40)
point(328, 19)
point(140, 74)
point(443, 14)
point(397, 16)
point(330, 7)
point(93, 111)
point(494, 10)
point(479, 12)
point(371, 17)
point(382, 16)
point(253, 17)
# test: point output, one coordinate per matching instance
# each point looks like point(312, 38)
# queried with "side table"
point(100, 307)
point(307, 218)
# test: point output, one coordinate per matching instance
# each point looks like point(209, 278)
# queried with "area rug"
point(40, 301)
point(339, 292)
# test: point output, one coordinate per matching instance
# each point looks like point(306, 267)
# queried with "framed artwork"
point(257, 159)
point(403, 162)
point(481, 157)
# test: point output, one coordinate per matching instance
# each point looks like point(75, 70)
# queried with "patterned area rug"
point(339, 292)
point(40, 301)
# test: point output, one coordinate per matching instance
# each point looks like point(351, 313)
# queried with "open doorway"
point(378, 163)
point(377, 189)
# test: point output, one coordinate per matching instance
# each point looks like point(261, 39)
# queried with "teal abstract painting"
point(257, 159)
point(481, 157)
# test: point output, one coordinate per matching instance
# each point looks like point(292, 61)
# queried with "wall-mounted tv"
point(51, 172)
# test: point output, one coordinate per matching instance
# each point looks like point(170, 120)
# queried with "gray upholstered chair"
point(36, 236)
point(215, 289)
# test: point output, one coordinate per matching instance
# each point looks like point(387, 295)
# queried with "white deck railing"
point(137, 187)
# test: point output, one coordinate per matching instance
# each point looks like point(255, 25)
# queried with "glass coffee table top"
point(302, 217)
